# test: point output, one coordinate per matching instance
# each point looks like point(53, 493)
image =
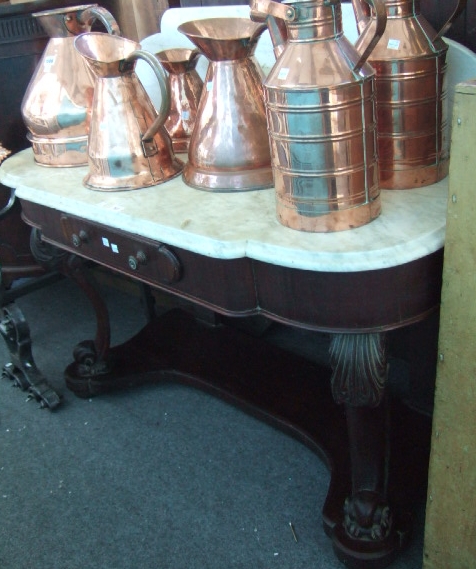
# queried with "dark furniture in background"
point(463, 29)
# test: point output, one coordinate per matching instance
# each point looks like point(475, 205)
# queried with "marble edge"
point(322, 261)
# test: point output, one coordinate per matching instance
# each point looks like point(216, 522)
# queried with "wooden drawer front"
point(154, 262)
point(225, 285)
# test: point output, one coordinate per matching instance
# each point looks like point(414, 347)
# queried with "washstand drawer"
point(219, 283)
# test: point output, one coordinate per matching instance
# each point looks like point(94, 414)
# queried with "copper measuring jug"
point(320, 102)
point(128, 146)
point(185, 91)
point(56, 106)
point(410, 65)
point(229, 146)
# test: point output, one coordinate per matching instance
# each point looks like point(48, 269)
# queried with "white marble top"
point(241, 224)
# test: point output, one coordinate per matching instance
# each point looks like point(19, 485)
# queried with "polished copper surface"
point(410, 65)
point(56, 107)
point(185, 92)
point(128, 146)
point(322, 123)
point(229, 146)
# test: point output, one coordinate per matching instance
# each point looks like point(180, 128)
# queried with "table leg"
point(285, 390)
point(22, 369)
point(369, 536)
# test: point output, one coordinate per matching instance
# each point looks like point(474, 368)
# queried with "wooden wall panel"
point(450, 532)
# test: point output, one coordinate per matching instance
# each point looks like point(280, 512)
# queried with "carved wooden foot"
point(91, 357)
point(369, 536)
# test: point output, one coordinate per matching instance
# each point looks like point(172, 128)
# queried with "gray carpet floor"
point(159, 477)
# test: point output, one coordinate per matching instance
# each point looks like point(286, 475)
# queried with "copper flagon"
point(128, 146)
point(229, 146)
point(320, 100)
point(410, 65)
point(56, 107)
point(185, 92)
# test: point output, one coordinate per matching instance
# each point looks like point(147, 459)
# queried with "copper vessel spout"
point(229, 146)
point(128, 146)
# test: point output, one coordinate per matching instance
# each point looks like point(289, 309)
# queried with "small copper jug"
point(229, 146)
point(128, 146)
point(410, 65)
point(56, 107)
point(320, 101)
point(185, 91)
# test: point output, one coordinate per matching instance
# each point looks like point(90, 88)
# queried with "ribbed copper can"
point(320, 100)
point(410, 65)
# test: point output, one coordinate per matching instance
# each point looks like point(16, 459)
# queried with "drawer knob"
point(135, 261)
point(79, 238)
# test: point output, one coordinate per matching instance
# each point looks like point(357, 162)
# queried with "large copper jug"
point(56, 106)
point(321, 118)
point(410, 65)
point(229, 146)
point(185, 92)
point(128, 146)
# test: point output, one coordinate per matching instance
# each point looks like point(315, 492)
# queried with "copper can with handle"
point(410, 65)
point(128, 146)
point(320, 100)
point(56, 107)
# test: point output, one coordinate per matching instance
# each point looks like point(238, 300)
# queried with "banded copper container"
point(321, 120)
point(56, 107)
point(410, 65)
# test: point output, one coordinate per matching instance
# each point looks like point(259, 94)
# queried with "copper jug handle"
point(104, 16)
point(157, 68)
point(447, 25)
point(381, 24)
point(259, 9)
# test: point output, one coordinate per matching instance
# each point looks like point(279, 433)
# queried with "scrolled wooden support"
point(359, 364)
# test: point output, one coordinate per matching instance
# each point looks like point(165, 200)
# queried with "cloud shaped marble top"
point(240, 224)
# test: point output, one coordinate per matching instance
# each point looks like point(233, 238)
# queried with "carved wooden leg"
point(367, 537)
point(91, 356)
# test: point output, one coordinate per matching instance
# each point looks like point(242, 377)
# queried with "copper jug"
point(128, 146)
point(185, 91)
point(56, 106)
point(410, 65)
point(229, 146)
point(321, 118)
